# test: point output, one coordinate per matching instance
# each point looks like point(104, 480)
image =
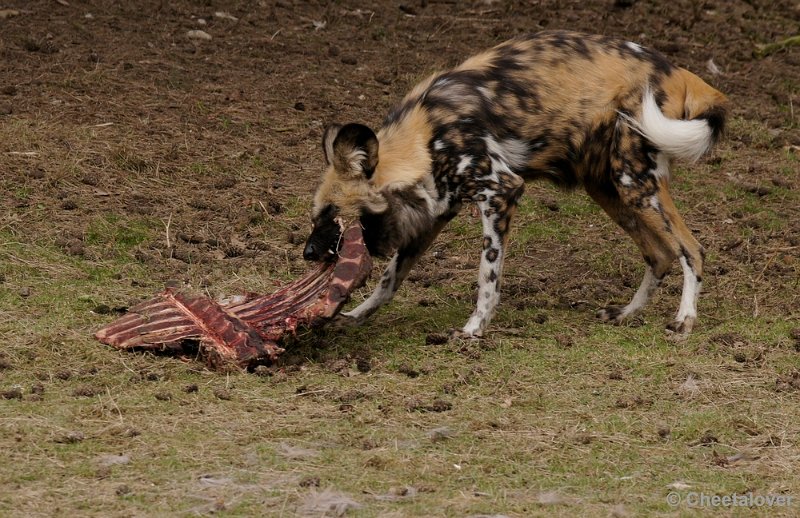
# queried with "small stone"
point(349, 60)
point(70, 437)
point(226, 16)
point(24, 291)
point(300, 106)
point(163, 396)
point(198, 35)
point(8, 13)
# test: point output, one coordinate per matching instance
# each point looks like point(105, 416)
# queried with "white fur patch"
point(438, 145)
point(356, 159)
point(646, 288)
point(488, 94)
point(662, 166)
point(691, 290)
point(626, 180)
point(688, 139)
point(383, 293)
point(453, 91)
point(514, 152)
point(634, 46)
point(465, 162)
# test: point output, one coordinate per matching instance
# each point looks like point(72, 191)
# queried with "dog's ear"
point(327, 142)
point(351, 149)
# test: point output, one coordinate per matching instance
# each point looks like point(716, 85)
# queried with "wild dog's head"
point(346, 193)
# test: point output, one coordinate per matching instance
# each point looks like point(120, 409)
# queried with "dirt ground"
point(126, 115)
point(129, 143)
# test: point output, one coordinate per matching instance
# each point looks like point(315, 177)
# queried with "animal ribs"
point(244, 332)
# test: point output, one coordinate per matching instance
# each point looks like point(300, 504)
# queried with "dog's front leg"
point(496, 211)
point(382, 294)
point(396, 272)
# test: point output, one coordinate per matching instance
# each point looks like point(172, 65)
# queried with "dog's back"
point(561, 93)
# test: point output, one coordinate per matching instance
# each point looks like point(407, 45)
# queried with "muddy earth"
point(118, 118)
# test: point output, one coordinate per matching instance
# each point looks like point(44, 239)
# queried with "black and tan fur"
point(573, 108)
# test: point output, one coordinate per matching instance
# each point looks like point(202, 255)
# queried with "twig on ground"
point(166, 228)
point(765, 49)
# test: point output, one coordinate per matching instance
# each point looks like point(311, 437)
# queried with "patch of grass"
point(130, 160)
point(121, 235)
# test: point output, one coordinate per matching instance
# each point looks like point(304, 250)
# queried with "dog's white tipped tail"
point(687, 139)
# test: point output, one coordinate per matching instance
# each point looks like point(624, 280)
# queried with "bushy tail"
point(703, 112)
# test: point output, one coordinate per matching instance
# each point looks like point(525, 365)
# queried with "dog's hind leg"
point(658, 261)
point(691, 257)
point(642, 206)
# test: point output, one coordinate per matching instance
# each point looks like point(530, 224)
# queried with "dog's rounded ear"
point(351, 149)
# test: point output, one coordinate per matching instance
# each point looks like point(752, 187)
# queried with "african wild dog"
point(573, 108)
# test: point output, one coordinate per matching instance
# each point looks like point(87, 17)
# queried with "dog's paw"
point(681, 328)
point(343, 321)
point(612, 314)
point(460, 334)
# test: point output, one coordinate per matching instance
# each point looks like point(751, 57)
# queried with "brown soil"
point(116, 112)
